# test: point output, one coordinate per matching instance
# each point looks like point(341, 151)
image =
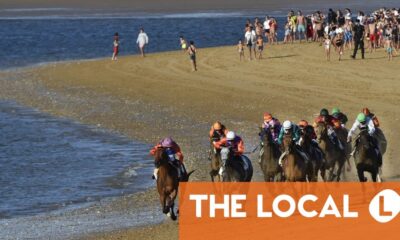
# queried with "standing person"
point(389, 47)
point(260, 46)
point(183, 44)
point(142, 41)
point(327, 46)
point(250, 38)
point(348, 35)
point(301, 25)
point(358, 39)
point(332, 17)
point(192, 54)
point(116, 47)
point(339, 42)
point(293, 22)
point(273, 31)
point(372, 34)
point(267, 28)
point(240, 49)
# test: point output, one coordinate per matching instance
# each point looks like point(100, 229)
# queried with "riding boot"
point(155, 174)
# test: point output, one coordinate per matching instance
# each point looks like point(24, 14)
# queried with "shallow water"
point(48, 163)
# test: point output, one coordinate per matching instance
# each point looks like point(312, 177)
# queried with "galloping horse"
point(365, 157)
point(269, 154)
point(335, 158)
point(294, 166)
point(167, 181)
point(235, 168)
point(316, 162)
point(215, 157)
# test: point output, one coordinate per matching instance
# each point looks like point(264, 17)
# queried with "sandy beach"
point(146, 99)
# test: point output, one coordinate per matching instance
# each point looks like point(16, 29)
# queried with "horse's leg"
point(360, 173)
point(374, 175)
point(172, 211)
point(163, 199)
point(339, 171)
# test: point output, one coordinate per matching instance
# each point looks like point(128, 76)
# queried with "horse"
point(335, 157)
point(235, 168)
point(365, 157)
point(316, 163)
point(215, 157)
point(342, 133)
point(269, 156)
point(294, 166)
point(167, 181)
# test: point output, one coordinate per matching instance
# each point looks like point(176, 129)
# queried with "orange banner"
point(289, 211)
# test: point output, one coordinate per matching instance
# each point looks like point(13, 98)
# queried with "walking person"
point(116, 47)
point(358, 39)
point(142, 41)
point(192, 54)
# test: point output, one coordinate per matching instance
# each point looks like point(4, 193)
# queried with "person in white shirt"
point(361, 122)
point(267, 28)
point(142, 41)
point(251, 41)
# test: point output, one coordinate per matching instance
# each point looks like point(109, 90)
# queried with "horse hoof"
point(169, 214)
point(173, 217)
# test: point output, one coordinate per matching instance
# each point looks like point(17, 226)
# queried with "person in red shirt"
point(173, 150)
point(233, 141)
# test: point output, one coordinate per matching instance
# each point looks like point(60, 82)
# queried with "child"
point(183, 43)
point(327, 46)
point(389, 47)
point(116, 47)
point(287, 33)
point(192, 54)
point(260, 46)
point(240, 48)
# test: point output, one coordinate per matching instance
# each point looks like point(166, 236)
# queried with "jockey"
point(363, 122)
point(217, 131)
point(308, 130)
point(231, 140)
point(372, 116)
point(272, 124)
point(173, 150)
point(290, 128)
point(341, 117)
point(331, 123)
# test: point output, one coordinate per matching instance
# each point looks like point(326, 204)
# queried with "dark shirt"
point(358, 32)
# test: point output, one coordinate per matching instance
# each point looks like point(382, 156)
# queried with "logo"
point(385, 206)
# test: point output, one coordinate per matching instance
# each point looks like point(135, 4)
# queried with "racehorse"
point(294, 166)
point(334, 156)
point(167, 181)
point(215, 157)
point(269, 155)
point(235, 168)
point(317, 161)
point(365, 156)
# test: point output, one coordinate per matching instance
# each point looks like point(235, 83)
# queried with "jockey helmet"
point(230, 136)
point(361, 118)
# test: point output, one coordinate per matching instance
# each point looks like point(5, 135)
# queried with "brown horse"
point(215, 157)
point(335, 157)
point(167, 181)
point(365, 157)
point(316, 163)
point(269, 155)
point(294, 166)
point(342, 135)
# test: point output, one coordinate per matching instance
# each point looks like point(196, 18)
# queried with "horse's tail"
point(186, 178)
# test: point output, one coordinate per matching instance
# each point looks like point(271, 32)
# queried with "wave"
point(34, 9)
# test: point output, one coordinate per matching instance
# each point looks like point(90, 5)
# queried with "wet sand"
point(192, 6)
point(158, 96)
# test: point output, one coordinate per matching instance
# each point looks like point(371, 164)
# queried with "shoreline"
point(137, 98)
